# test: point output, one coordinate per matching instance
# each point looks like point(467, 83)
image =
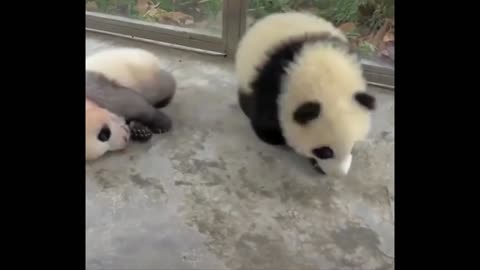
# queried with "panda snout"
point(323, 152)
point(332, 167)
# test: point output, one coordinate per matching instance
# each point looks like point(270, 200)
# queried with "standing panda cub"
point(130, 83)
point(301, 85)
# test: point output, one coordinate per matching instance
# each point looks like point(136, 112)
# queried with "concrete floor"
point(210, 195)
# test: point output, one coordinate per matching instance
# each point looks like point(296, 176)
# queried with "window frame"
point(233, 26)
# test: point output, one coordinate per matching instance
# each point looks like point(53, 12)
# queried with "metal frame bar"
point(233, 27)
point(234, 24)
point(154, 31)
point(379, 76)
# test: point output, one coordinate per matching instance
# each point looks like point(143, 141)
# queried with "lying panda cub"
point(301, 84)
point(130, 83)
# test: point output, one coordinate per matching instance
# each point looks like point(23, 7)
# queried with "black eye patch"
point(104, 134)
point(307, 112)
point(366, 100)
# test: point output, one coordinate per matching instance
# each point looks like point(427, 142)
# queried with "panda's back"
point(136, 69)
point(268, 34)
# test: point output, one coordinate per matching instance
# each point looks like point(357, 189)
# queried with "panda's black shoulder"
point(269, 75)
point(267, 82)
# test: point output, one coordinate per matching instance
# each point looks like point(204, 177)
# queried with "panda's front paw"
point(161, 123)
point(139, 132)
point(316, 166)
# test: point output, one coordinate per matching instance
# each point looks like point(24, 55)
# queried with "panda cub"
point(301, 85)
point(130, 83)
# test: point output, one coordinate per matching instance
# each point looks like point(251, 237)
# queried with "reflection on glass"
point(369, 24)
point(201, 15)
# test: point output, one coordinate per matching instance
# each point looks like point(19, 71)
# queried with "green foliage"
point(103, 5)
point(366, 48)
point(166, 5)
point(367, 13)
point(213, 7)
point(261, 8)
point(346, 11)
point(382, 10)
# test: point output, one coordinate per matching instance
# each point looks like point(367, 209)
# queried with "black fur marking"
point(246, 102)
point(162, 123)
point(307, 112)
point(316, 166)
point(104, 134)
point(366, 100)
point(163, 103)
point(267, 84)
point(271, 136)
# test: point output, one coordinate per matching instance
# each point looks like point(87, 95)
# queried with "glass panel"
point(369, 24)
point(202, 16)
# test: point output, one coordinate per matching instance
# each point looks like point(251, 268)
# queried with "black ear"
point(307, 112)
point(366, 100)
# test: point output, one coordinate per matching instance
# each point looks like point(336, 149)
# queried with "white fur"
point(269, 32)
point(129, 67)
point(319, 73)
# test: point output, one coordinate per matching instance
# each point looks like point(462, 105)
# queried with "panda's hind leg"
point(163, 103)
point(163, 82)
point(264, 121)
